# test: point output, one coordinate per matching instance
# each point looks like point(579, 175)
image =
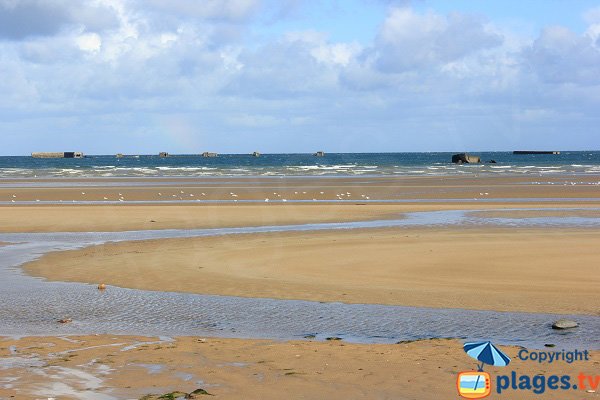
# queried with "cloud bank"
point(109, 75)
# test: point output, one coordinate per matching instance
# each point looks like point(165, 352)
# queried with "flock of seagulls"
point(234, 196)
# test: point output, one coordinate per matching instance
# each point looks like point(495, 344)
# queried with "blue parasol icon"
point(487, 353)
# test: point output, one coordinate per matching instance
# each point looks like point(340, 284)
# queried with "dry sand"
point(108, 367)
point(139, 217)
point(535, 270)
point(111, 218)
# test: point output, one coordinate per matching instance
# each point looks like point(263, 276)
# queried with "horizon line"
point(299, 153)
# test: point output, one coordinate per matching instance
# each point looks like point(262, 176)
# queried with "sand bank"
point(534, 270)
point(357, 195)
point(321, 189)
point(117, 367)
point(142, 217)
point(111, 218)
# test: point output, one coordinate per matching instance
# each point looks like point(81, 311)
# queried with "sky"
point(286, 76)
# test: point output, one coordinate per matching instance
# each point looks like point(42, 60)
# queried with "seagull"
point(266, 200)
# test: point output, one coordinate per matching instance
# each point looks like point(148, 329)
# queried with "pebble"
point(564, 324)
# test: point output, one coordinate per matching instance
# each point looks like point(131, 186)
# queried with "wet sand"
point(181, 203)
point(362, 188)
point(111, 218)
point(500, 269)
point(108, 367)
point(538, 213)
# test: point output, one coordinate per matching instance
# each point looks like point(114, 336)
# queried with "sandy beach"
point(299, 200)
point(489, 269)
point(545, 269)
point(72, 205)
point(110, 218)
point(359, 189)
point(123, 367)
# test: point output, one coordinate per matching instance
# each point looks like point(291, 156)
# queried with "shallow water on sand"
point(30, 306)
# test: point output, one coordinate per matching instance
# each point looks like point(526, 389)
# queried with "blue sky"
point(133, 76)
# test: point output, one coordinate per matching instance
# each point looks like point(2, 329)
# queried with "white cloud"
point(90, 42)
point(230, 10)
point(254, 121)
point(215, 67)
point(561, 56)
point(408, 40)
point(593, 31)
point(20, 19)
point(592, 16)
point(19, 93)
point(230, 57)
point(300, 64)
point(336, 53)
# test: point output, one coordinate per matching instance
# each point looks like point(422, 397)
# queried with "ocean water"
point(334, 164)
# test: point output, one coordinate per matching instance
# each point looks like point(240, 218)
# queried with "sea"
point(331, 164)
